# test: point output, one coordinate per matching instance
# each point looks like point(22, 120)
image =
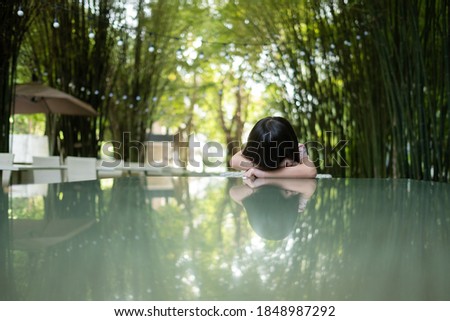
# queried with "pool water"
point(216, 238)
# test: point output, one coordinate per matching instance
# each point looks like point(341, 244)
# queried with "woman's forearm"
point(297, 171)
point(240, 162)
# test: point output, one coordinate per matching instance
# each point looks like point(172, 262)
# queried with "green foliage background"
point(372, 77)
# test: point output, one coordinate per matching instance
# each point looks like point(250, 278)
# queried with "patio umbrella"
point(35, 98)
point(38, 234)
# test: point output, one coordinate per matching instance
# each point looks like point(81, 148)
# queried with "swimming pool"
point(216, 238)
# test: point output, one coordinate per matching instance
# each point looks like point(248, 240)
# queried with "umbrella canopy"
point(38, 234)
point(37, 98)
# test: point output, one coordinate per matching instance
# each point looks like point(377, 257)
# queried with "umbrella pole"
point(50, 130)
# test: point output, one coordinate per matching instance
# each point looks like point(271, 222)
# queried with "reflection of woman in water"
point(272, 205)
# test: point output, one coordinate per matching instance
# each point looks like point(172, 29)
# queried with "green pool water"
point(217, 238)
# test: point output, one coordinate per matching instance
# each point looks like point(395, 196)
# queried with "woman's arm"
point(288, 169)
point(240, 162)
point(303, 170)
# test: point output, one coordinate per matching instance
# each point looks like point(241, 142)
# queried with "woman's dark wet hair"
point(271, 140)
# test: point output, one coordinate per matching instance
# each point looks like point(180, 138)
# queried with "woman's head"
point(271, 140)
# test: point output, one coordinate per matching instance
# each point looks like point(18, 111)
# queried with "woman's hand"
point(240, 162)
point(287, 163)
point(254, 173)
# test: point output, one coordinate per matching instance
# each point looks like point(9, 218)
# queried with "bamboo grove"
point(372, 73)
point(366, 83)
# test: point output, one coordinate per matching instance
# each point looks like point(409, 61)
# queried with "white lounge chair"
point(81, 168)
point(6, 163)
point(51, 175)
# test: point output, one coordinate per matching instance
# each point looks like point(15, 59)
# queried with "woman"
point(272, 150)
